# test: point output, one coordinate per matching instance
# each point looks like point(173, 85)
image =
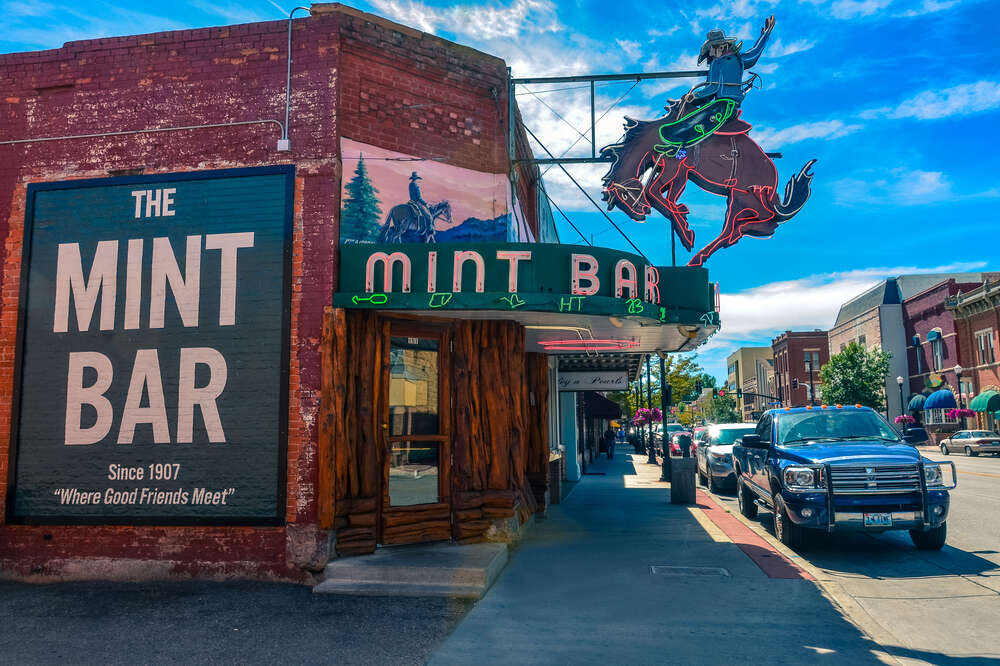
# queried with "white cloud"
point(847, 9)
point(766, 68)
point(653, 32)
point(736, 9)
point(902, 187)
point(929, 7)
point(772, 139)
point(632, 49)
point(755, 316)
point(477, 21)
point(232, 12)
point(958, 100)
point(779, 49)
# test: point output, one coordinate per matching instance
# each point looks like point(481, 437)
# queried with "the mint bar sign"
point(606, 380)
point(154, 349)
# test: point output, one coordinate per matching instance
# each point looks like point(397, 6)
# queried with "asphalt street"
point(922, 603)
point(215, 623)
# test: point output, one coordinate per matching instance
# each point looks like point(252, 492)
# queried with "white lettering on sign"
point(157, 202)
point(652, 284)
point(588, 274)
point(146, 378)
point(513, 257)
point(230, 244)
point(622, 282)
point(477, 260)
point(102, 281)
point(145, 375)
point(78, 395)
point(186, 289)
point(388, 262)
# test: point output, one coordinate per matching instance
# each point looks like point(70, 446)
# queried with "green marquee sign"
point(539, 277)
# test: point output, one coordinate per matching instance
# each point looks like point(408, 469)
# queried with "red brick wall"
point(790, 348)
point(352, 75)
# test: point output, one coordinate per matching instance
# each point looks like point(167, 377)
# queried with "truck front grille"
point(873, 479)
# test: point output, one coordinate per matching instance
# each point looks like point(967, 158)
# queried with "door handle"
point(385, 426)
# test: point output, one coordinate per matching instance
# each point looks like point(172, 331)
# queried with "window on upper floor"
point(937, 353)
point(814, 357)
point(863, 341)
point(984, 346)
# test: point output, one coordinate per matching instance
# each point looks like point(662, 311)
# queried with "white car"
point(715, 453)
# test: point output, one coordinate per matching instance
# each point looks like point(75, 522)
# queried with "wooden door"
point(415, 434)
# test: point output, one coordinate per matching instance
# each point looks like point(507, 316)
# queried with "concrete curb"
point(848, 606)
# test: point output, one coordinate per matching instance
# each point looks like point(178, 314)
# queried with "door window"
point(414, 460)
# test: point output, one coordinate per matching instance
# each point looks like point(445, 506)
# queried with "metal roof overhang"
point(637, 336)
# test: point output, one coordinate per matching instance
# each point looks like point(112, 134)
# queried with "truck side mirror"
point(753, 442)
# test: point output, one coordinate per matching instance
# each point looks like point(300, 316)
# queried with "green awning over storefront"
point(987, 401)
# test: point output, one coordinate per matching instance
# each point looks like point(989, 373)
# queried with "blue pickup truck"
point(840, 468)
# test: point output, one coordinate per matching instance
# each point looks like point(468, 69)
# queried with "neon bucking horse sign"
point(703, 139)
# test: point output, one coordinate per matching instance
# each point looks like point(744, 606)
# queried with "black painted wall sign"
point(154, 349)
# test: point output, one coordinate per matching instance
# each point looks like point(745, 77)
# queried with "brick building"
point(743, 371)
point(223, 352)
point(798, 357)
point(977, 323)
point(933, 348)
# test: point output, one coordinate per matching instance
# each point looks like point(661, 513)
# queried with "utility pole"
point(812, 389)
point(665, 473)
point(649, 404)
point(638, 404)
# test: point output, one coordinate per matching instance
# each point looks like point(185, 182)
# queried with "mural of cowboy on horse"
point(703, 139)
point(416, 215)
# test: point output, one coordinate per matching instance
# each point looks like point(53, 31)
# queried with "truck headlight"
point(800, 479)
point(932, 475)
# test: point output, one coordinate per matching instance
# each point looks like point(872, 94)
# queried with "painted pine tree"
point(361, 214)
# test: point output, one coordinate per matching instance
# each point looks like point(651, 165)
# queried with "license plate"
point(878, 520)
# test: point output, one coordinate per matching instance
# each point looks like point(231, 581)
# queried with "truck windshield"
point(829, 425)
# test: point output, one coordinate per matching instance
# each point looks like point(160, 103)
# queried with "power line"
point(587, 194)
point(563, 214)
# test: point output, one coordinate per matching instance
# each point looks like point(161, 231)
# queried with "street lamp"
point(902, 409)
point(958, 379)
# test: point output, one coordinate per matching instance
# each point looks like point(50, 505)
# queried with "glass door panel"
point(413, 387)
point(413, 473)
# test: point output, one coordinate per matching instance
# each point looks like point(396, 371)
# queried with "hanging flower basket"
point(905, 418)
point(956, 414)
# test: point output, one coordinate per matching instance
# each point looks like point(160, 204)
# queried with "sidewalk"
point(579, 588)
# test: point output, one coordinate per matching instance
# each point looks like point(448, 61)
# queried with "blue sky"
point(898, 100)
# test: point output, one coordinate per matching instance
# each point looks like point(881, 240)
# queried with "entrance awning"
point(572, 299)
point(943, 399)
point(597, 406)
point(987, 401)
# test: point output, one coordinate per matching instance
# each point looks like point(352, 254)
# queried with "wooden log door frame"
point(419, 522)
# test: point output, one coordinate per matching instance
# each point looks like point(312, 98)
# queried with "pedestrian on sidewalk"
point(609, 439)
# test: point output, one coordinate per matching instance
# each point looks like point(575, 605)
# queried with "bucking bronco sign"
point(702, 138)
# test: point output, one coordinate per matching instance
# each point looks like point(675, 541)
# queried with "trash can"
point(682, 480)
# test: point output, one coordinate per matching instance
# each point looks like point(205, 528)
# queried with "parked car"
point(973, 442)
point(715, 455)
point(675, 444)
point(840, 468)
point(916, 436)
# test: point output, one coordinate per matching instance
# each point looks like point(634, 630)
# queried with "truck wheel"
point(787, 532)
point(969, 452)
point(745, 499)
point(701, 477)
point(944, 449)
point(932, 539)
point(713, 487)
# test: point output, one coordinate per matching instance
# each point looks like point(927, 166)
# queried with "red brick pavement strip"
point(763, 554)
